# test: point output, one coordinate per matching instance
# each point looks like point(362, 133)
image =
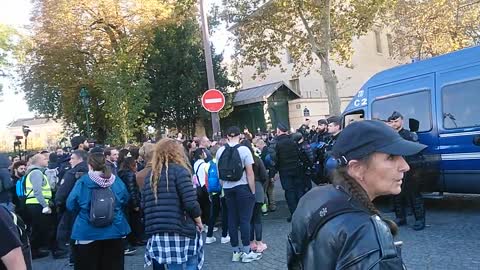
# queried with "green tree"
point(424, 29)
point(100, 45)
point(310, 29)
point(8, 48)
point(177, 74)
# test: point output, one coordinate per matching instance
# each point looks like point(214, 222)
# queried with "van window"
point(415, 106)
point(460, 102)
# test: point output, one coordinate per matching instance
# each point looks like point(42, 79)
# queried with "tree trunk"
point(323, 51)
point(330, 80)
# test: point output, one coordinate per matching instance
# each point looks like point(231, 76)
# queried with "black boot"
point(419, 224)
point(60, 254)
point(39, 253)
point(419, 212)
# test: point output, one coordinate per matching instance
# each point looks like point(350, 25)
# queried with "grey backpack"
point(102, 207)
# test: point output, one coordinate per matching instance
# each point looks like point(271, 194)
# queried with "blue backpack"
point(20, 188)
point(213, 180)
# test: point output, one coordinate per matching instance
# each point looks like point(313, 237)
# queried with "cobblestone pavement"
point(450, 241)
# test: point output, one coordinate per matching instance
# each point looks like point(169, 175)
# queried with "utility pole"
point(209, 65)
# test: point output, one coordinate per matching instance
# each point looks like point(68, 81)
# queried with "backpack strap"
point(198, 168)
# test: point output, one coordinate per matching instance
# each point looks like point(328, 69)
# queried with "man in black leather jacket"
point(284, 152)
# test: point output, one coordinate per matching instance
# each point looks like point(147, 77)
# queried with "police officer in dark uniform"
point(410, 194)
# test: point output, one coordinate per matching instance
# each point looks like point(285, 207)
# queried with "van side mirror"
point(413, 124)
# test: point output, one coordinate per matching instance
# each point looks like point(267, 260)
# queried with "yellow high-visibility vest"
point(46, 190)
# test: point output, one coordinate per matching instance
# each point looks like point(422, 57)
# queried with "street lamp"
point(26, 130)
point(85, 99)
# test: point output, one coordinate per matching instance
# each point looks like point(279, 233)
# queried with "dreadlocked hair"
point(341, 177)
point(166, 151)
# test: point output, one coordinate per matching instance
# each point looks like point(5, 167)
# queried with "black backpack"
point(230, 166)
point(102, 207)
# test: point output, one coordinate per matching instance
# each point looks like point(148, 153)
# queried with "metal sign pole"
point(209, 66)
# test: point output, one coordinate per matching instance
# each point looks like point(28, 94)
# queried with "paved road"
point(450, 241)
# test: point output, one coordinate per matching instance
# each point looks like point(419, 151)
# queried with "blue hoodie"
point(79, 201)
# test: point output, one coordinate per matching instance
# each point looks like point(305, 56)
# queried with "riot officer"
point(410, 194)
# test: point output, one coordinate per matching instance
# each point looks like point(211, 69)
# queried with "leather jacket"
point(352, 240)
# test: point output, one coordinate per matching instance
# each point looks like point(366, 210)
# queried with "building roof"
point(258, 93)
point(30, 121)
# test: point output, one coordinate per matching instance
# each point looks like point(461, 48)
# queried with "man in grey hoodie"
point(39, 194)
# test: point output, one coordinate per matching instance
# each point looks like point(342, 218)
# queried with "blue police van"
point(440, 100)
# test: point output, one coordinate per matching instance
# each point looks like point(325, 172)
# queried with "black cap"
point(322, 122)
point(395, 115)
point(282, 127)
point(362, 138)
point(334, 119)
point(53, 158)
point(96, 149)
point(76, 141)
point(233, 131)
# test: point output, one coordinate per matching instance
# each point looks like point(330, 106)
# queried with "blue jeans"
point(191, 264)
point(240, 203)
point(294, 186)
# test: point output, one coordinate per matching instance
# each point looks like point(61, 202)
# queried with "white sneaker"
point(250, 257)
point(215, 229)
point(237, 256)
point(210, 240)
point(225, 240)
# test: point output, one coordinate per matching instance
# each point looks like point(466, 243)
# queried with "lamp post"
point(85, 99)
point(26, 130)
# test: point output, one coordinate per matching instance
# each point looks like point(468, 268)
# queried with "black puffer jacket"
point(129, 179)
point(354, 240)
point(286, 151)
point(175, 208)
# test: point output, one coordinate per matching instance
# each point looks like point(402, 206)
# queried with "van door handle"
point(476, 140)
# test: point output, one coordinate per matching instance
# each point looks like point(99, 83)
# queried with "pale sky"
point(16, 13)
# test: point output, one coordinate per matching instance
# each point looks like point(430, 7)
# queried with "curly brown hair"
point(166, 151)
point(341, 177)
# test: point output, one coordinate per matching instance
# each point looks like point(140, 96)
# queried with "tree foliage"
point(100, 45)
point(428, 28)
point(311, 30)
point(177, 74)
point(8, 48)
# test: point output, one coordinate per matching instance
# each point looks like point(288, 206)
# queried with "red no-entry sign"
point(213, 100)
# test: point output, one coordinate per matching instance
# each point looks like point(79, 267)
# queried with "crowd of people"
point(96, 205)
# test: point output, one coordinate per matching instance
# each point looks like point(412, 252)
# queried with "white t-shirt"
point(247, 159)
point(200, 168)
